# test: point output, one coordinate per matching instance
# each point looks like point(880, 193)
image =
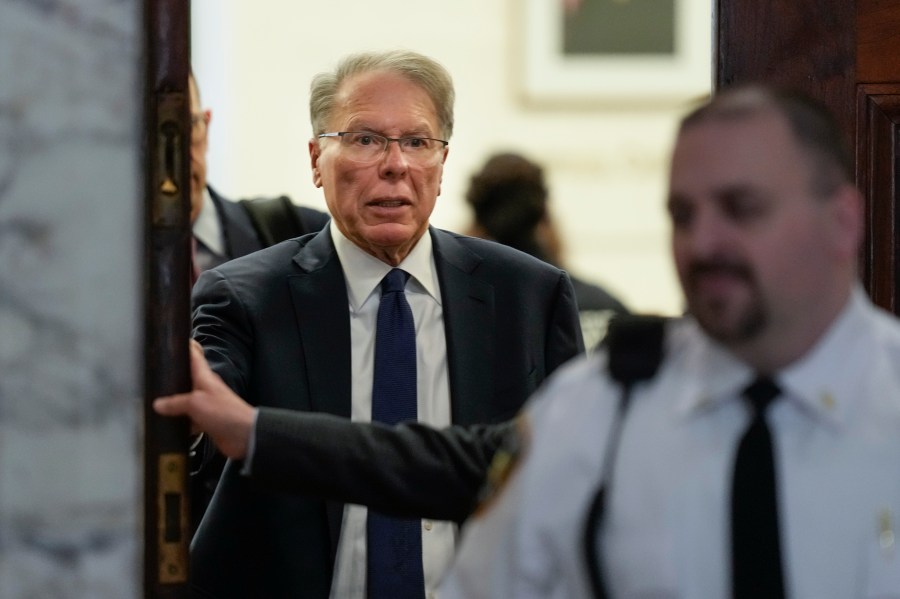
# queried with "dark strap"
point(275, 219)
point(634, 346)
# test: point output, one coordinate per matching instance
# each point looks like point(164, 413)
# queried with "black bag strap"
point(635, 347)
point(275, 219)
point(634, 352)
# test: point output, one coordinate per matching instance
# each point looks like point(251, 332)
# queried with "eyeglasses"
point(365, 147)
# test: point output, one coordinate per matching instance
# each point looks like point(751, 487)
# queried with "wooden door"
point(167, 138)
point(846, 53)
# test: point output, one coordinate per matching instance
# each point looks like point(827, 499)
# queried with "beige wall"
point(605, 159)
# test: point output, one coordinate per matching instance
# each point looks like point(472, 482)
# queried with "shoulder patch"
point(504, 463)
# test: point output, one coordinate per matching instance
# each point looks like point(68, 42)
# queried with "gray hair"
point(425, 72)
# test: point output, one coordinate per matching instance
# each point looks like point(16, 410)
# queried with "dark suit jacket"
point(275, 325)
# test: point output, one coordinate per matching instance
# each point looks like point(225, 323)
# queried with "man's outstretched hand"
point(213, 408)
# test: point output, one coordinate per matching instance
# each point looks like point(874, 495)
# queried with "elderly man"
point(378, 317)
point(762, 458)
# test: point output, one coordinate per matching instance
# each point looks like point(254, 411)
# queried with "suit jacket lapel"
point(321, 309)
point(322, 313)
point(468, 306)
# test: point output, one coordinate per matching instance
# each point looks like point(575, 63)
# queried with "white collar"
point(829, 376)
point(818, 380)
point(363, 272)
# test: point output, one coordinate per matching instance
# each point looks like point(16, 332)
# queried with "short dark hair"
point(812, 123)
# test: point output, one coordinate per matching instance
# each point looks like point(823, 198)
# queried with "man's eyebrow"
point(418, 130)
point(738, 190)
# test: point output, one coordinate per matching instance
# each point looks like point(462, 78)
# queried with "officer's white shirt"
point(363, 274)
point(836, 432)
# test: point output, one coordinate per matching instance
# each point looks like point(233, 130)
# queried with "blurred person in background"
point(510, 203)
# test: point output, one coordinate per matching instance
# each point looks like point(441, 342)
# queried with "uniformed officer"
point(713, 486)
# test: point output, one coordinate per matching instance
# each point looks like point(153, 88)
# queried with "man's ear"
point(847, 219)
point(443, 161)
point(315, 152)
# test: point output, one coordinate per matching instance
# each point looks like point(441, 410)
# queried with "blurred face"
point(760, 257)
point(199, 130)
point(382, 207)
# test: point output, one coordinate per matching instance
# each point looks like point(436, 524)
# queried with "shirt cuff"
point(246, 468)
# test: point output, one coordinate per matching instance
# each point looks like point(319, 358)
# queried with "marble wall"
point(70, 299)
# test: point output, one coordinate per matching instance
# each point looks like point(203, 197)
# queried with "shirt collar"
point(363, 272)
point(207, 227)
point(826, 379)
point(719, 373)
point(819, 380)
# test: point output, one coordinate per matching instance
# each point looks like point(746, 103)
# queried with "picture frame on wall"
point(615, 51)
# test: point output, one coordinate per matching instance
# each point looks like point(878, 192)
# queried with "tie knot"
point(761, 392)
point(394, 281)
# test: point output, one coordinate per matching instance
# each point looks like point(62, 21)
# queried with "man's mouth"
point(715, 277)
point(388, 203)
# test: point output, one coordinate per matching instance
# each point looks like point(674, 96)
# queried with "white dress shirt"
point(207, 227)
point(363, 274)
point(836, 435)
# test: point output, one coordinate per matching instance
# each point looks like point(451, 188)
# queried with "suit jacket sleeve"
point(221, 326)
point(565, 340)
point(409, 470)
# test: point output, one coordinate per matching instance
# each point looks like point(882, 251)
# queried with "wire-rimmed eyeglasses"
point(366, 147)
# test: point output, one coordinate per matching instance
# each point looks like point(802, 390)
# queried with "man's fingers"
point(199, 365)
point(172, 405)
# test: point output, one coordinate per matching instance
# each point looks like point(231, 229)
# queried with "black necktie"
point(394, 545)
point(755, 547)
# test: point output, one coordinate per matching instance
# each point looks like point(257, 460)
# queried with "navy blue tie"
point(755, 544)
point(394, 550)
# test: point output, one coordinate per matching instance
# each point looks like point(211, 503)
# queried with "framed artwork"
point(616, 51)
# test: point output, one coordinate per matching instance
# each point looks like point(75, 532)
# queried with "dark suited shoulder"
point(534, 306)
point(499, 264)
point(237, 230)
point(311, 220)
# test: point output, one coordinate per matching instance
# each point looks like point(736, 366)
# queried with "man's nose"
point(394, 161)
point(707, 234)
